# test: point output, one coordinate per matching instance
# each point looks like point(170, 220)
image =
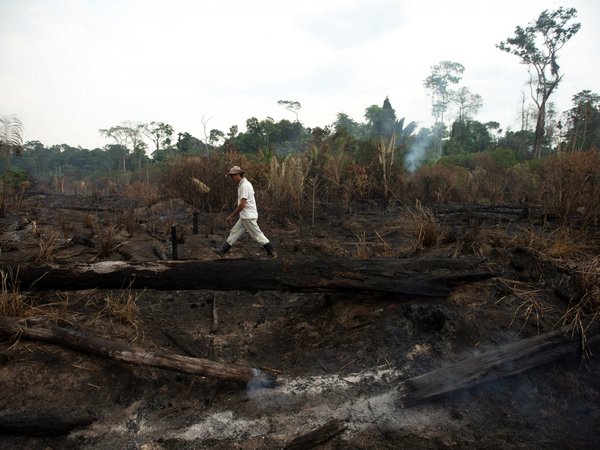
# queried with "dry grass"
point(366, 247)
point(420, 223)
point(438, 184)
point(47, 243)
point(562, 245)
point(286, 180)
point(128, 220)
point(90, 221)
point(574, 253)
point(107, 243)
point(584, 306)
point(14, 303)
point(573, 187)
point(530, 301)
point(122, 306)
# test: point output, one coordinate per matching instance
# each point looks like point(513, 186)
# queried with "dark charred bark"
point(399, 277)
point(503, 362)
point(42, 330)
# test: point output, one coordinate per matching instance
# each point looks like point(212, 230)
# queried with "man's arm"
point(237, 210)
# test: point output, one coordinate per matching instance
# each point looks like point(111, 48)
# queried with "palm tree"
point(11, 135)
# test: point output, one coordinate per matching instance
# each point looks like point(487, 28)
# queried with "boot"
point(269, 249)
point(222, 250)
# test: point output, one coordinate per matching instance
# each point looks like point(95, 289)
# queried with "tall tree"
point(291, 105)
point(583, 121)
point(120, 134)
point(381, 120)
point(467, 102)
point(344, 123)
point(129, 136)
point(443, 75)
point(537, 45)
point(159, 133)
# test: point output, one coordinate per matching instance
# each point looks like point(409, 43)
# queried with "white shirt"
point(245, 190)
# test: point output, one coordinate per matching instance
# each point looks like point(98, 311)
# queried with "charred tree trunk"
point(41, 330)
point(400, 277)
point(503, 362)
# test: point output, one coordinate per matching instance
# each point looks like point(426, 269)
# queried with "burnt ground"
point(336, 356)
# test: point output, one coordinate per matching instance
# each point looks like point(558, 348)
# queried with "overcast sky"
point(71, 67)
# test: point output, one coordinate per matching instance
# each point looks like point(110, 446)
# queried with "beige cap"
point(234, 170)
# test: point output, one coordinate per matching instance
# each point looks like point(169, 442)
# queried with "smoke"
point(417, 151)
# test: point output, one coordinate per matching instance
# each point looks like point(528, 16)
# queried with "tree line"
point(135, 146)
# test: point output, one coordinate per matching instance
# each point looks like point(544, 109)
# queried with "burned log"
point(42, 330)
point(399, 277)
point(508, 360)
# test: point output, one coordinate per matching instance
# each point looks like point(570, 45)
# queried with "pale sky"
point(71, 67)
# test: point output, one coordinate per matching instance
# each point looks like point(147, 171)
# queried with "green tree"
point(120, 134)
point(520, 142)
point(291, 106)
point(129, 136)
point(467, 136)
point(443, 75)
point(215, 136)
point(188, 144)
point(467, 102)
point(583, 121)
point(233, 131)
point(381, 120)
point(159, 133)
point(343, 122)
point(537, 45)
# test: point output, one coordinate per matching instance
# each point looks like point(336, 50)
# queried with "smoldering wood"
point(41, 329)
point(410, 278)
point(317, 436)
point(43, 424)
point(506, 361)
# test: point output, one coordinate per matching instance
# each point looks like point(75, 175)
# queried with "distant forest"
point(577, 130)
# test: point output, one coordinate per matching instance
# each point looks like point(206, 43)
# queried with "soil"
point(336, 356)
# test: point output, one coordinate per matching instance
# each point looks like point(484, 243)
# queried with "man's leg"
point(235, 233)
point(251, 225)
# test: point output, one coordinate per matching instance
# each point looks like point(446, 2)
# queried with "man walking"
point(248, 215)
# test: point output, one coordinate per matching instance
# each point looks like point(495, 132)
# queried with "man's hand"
point(231, 217)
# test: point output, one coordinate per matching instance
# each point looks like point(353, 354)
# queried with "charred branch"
point(42, 330)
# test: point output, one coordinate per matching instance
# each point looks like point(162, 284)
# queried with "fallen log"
point(40, 329)
point(508, 360)
point(400, 277)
